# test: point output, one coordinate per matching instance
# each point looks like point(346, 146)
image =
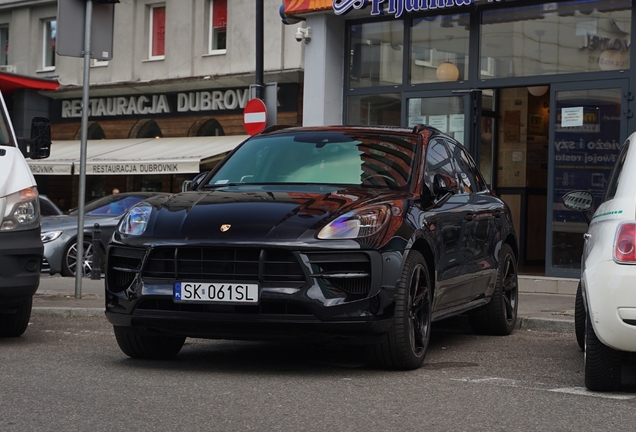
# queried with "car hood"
point(64, 222)
point(252, 214)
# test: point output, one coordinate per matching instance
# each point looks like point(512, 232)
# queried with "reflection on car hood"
point(62, 222)
point(251, 213)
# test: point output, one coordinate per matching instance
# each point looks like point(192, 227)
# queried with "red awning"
point(11, 82)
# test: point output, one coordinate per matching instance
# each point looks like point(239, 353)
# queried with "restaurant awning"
point(135, 156)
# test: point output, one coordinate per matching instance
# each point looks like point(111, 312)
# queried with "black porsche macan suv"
point(357, 234)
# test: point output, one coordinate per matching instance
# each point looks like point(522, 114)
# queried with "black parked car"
point(359, 234)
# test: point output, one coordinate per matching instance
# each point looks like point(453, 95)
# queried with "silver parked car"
point(59, 233)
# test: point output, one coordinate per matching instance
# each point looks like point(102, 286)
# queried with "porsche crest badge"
point(225, 227)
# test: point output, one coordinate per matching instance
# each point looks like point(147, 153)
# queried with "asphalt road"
point(68, 374)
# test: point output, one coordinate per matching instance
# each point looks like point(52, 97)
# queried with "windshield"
point(332, 157)
point(111, 205)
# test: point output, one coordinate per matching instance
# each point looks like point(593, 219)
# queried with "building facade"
point(179, 68)
point(540, 92)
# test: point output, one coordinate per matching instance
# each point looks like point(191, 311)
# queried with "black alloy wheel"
point(406, 345)
point(499, 316)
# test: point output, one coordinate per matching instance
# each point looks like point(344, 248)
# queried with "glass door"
point(588, 126)
point(453, 113)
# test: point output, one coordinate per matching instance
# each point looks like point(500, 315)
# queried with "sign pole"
point(79, 261)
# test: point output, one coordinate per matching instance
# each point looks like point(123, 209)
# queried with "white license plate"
point(217, 292)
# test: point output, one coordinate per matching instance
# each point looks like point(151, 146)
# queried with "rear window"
point(382, 161)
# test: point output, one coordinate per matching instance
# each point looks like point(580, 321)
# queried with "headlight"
point(136, 220)
point(22, 211)
point(49, 236)
point(356, 224)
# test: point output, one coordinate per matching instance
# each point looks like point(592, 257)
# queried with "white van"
point(20, 244)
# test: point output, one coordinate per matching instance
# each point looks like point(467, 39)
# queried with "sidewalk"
point(544, 303)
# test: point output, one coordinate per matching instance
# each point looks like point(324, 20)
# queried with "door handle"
point(497, 213)
point(469, 216)
point(587, 236)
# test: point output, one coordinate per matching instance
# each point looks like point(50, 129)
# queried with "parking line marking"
point(581, 391)
point(577, 391)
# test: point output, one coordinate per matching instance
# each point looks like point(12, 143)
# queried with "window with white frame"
point(4, 45)
point(218, 26)
point(49, 30)
point(157, 25)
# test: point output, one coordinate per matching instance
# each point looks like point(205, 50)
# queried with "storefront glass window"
point(443, 113)
point(587, 143)
point(374, 110)
point(376, 54)
point(556, 38)
point(439, 49)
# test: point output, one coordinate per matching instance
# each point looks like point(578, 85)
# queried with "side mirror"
point(578, 200)
point(196, 182)
point(39, 145)
point(443, 184)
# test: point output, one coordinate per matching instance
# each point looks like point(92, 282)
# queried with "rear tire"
point(579, 318)
point(147, 347)
point(499, 316)
point(602, 363)
point(406, 344)
point(15, 324)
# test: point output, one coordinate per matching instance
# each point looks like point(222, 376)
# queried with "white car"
point(605, 310)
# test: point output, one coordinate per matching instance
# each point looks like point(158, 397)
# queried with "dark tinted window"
point(469, 177)
point(438, 161)
point(47, 208)
point(612, 186)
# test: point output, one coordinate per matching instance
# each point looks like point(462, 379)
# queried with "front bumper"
point(610, 297)
point(304, 300)
point(20, 261)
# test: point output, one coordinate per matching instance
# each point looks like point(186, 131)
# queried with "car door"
point(447, 221)
point(484, 223)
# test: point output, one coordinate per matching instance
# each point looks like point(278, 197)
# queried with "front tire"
point(579, 318)
point(406, 344)
point(499, 316)
point(602, 363)
point(69, 265)
point(147, 347)
point(15, 324)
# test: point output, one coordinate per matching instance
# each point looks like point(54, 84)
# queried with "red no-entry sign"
point(255, 116)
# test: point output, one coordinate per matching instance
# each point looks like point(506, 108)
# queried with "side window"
point(615, 178)
point(157, 25)
point(438, 161)
point(49, 31)
point(469, 177)
point(218, 26)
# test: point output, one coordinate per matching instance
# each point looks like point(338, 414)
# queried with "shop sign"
point(122, 168)
point(398, 7)
point(210, 102)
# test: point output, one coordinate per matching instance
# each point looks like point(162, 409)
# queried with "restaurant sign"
point(398, 7)
point(208, 102)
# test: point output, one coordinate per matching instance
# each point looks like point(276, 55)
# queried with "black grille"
point(123, 265)
point(273, 268)
point(350, 272)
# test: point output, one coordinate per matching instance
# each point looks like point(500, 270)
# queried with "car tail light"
point(625, 243)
